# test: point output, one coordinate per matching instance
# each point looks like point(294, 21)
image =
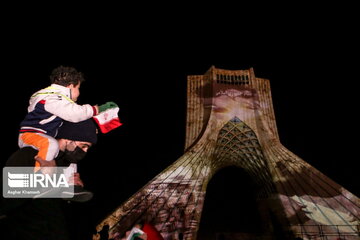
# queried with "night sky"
point(143, 69)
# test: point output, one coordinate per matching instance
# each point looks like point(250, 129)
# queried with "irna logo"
point(18, 180)
point(49, 182)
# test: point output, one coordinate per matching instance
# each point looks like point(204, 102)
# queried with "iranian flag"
point(134, 234)
point(108, 119)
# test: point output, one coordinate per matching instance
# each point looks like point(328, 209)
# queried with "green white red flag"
point(108, 120)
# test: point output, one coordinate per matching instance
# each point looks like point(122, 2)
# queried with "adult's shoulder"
point(22, 157)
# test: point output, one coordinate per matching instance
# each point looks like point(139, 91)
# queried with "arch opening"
point(236, 212)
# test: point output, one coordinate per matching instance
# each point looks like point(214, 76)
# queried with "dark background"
point(141, 62)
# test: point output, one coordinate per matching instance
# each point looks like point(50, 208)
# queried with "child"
point(49, 107)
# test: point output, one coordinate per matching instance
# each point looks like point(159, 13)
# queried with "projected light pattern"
point(231, 122)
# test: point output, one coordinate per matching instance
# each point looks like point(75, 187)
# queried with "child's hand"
point(96, 109)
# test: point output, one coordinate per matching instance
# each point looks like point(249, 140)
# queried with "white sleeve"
point(69, 111)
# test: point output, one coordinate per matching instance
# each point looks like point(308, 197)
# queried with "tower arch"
point(236, 211)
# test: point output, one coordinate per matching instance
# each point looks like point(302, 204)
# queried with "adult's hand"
point(44, 163)
point(46, 167)
point(77, 180)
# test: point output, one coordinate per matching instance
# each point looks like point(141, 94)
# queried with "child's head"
point(68, 77)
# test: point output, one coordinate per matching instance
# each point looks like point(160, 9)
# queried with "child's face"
point(75, 91)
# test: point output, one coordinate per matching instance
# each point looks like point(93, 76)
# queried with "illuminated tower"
point(231, 122)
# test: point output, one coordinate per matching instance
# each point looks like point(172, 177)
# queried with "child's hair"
point(65, 76)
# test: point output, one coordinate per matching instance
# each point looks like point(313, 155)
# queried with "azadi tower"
point(231, 122)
